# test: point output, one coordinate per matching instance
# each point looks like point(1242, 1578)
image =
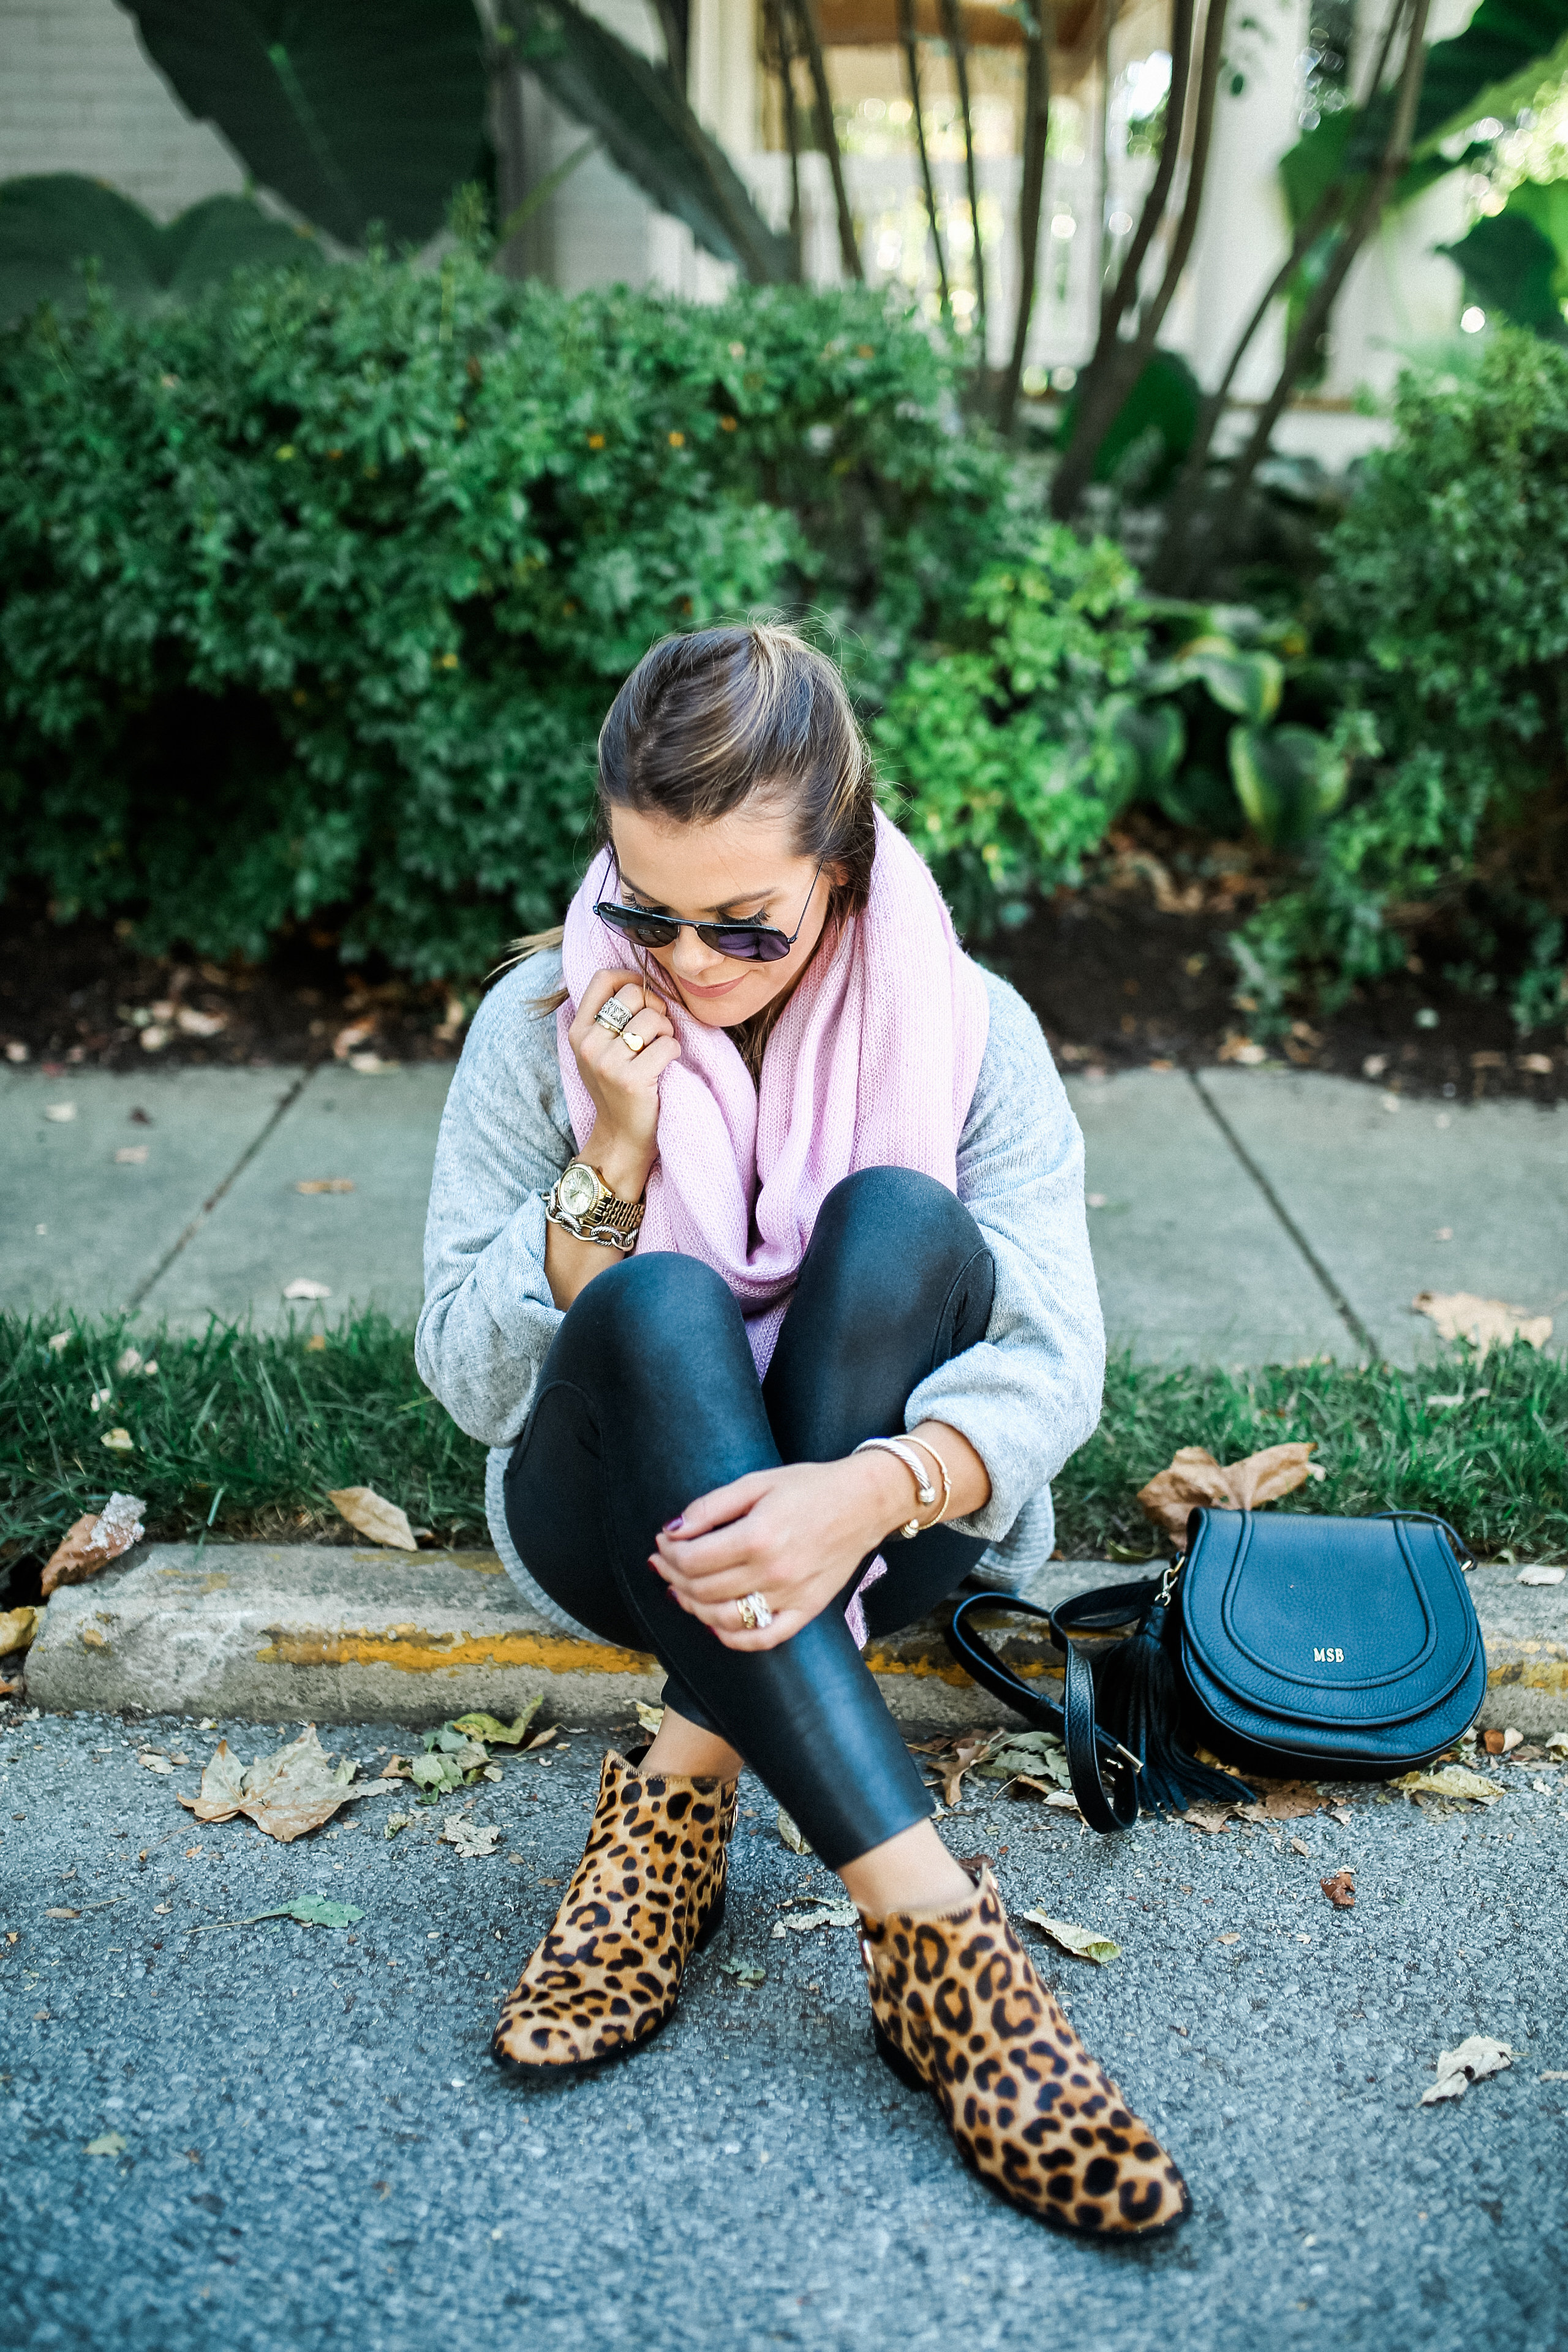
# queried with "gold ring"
point(632, 1042)
point(755, 1615)
point(612, 1016)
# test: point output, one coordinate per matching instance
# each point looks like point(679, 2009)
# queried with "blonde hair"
point(709, 718)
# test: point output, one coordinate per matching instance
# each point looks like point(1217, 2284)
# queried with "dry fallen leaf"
point(825, 1914)
point(19, 1628)
point(1194, 1479)
point(1209, 1819)
point(154, 1760)
point(374, 1516)
point(325, 1184)
point(107, 2144)
point(96, 1538)
point(1453, 1781)
point(285, 1795)
point(300, 1288)
point(473, 1844)
point(951, 1759)
point(1232, 1936)
point(1282, 1801)
point(650, 1718)
point(354, 1035)
point(1341, 1889)
point(1081, 1942)
point(1300, 1845)
point(191, 1023)
point(1472, 2062)
point(489, 1729)
point(1484, 1322)
point(1541, 1575)
point(789, 1833)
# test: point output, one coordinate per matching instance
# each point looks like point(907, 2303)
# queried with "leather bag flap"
point(1335, 1623)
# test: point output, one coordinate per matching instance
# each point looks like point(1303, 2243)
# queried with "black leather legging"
point(648, 1399)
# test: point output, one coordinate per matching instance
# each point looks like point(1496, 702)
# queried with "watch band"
point(607, 1220)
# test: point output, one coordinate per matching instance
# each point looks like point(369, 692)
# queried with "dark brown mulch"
point(1117, 985)
point(77, 995)
point(1117, 981)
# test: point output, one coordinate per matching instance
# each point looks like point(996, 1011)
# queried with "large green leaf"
point(1154, 736)
point(1151, 431)
point(353, 113)
point(649, 131)
point(1288, 779)
point(1516, 261)
point(1505, 44)
point(1249, 684)
point(51, 224)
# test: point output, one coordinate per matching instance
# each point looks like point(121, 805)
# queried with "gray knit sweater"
point(1026, 1397)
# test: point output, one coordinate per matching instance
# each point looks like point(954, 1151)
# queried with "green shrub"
point(1448, 576)
point(315, 594)
point(1005, 748)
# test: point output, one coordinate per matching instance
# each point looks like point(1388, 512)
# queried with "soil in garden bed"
point(1131, 969)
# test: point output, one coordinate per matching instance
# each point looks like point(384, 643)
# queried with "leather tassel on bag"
point(1137, 1701)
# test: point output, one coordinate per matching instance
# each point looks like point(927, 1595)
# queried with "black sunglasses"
point(748, 942)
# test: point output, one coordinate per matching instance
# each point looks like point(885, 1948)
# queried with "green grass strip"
point(242, 1433)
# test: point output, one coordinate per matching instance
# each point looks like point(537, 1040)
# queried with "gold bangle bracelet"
point(946, 1481)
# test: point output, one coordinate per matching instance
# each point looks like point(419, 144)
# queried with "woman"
point(765, 1260)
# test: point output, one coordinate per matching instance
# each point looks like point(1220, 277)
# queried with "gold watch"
point(582, 1203)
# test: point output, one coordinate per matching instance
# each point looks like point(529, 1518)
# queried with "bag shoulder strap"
point(1074, 1721)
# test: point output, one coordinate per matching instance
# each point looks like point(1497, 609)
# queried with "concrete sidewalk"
point(1239, 1216)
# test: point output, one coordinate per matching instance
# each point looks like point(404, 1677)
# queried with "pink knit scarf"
point(872, 1064)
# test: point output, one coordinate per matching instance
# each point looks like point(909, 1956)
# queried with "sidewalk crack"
point(285, 1103)
point(1335, 1295)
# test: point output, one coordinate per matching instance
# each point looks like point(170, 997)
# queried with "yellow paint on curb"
point(1530, 1674)
point(415, 1651)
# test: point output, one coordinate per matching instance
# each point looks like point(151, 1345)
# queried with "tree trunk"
point(1170, 571)
point(1099, 396)
point(1314, 317)
point(912, 68)
point(848, 250)
point(952, 23)
point(1036, 124)
point(776, 20)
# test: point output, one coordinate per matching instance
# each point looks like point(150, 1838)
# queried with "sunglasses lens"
point(646, 929)
point(746, 946)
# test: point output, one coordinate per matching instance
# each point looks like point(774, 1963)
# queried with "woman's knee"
point(899, 1207)
point(646, 1305)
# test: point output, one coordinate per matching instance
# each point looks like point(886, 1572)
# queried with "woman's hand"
point(795, 1534)
point(623, 1084)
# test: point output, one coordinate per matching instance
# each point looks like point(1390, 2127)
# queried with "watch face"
point(579, 1190)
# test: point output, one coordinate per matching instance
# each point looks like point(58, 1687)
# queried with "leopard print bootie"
point(959, 2011)
point(648, 1892)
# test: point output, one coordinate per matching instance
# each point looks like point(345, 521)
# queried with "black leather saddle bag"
point(1289, 1644)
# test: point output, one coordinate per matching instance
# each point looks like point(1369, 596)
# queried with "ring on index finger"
point(613, 1015)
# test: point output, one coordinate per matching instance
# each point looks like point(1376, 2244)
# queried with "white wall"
point(78, 94)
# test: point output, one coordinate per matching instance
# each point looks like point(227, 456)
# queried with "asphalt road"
point(317, 2150)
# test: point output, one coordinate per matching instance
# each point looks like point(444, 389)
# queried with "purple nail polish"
point(671, 1526)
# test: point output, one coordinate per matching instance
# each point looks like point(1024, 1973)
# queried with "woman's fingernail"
point(672, 1525)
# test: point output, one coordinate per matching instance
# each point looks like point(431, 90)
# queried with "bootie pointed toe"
point(959, 2011)
point(648, 1892)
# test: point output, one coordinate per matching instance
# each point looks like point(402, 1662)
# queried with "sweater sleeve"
point(1028, 1395)
point(488, 1319)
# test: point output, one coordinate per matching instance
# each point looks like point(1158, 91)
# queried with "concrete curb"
point(275, 1633)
